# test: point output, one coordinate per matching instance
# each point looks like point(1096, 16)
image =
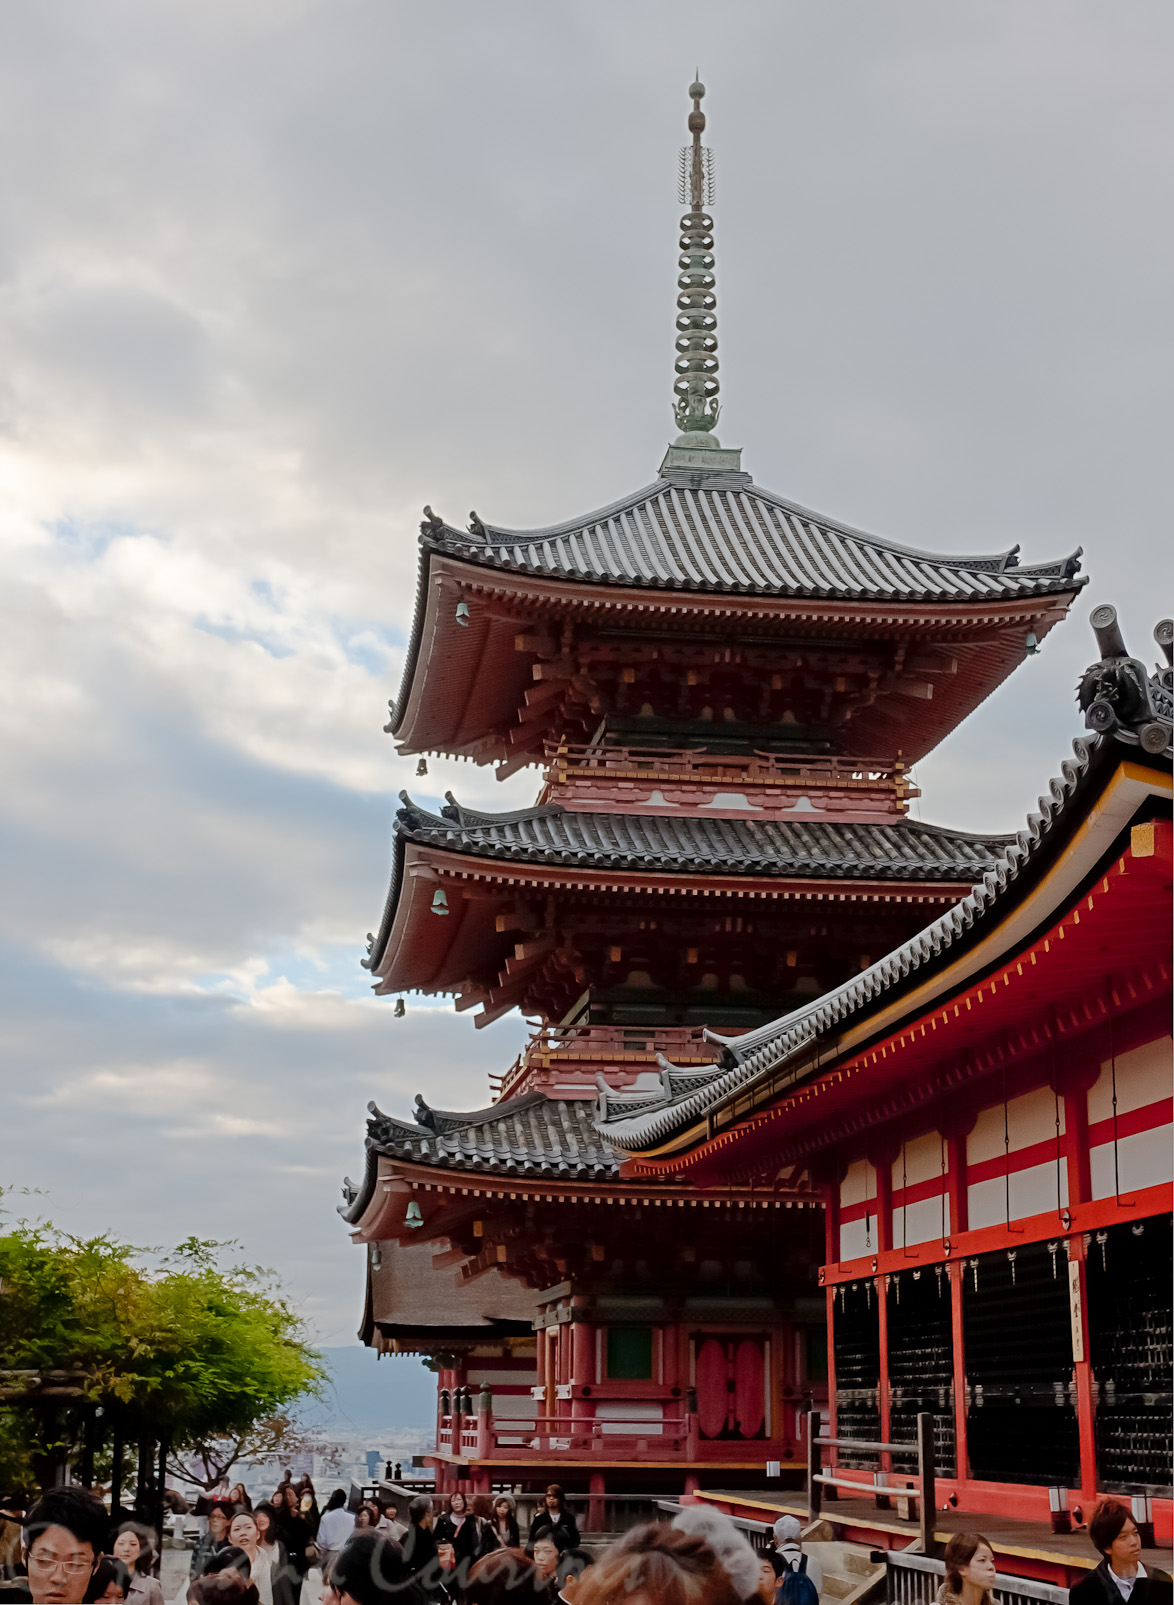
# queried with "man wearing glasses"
point(64, 1534)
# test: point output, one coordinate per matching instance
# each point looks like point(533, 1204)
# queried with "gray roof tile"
point(904, 850)
point(722, 532)
point(531, 1135)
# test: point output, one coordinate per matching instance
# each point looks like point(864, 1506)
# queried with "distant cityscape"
point(374, 1411)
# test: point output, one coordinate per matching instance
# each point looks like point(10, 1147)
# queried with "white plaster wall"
point(852, 1239)
point(637, 1417)
point(1033, 1192)
point(1144, 1160)
point(1031, 1118)
point(858, 1185)
point(921, 1222)
point(1144, 1075)
point(924, 1160)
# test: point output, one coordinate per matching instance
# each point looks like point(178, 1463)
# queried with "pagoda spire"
point(696, 407)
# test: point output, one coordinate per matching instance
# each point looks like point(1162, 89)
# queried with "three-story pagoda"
point(725, 692)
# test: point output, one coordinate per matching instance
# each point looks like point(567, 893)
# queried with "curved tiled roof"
point(723, 533)
point(531, 1135)
point(905, 850)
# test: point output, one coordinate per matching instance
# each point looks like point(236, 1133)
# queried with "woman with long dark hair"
point(970, 1571)
point(296, 1534)
point(552, 1512)
point(459, 1527)
point(504, 1522)
point(133, 1547)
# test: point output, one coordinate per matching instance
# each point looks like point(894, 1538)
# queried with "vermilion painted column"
point(831, 1223)
point(961, 1451)
point(831, 1368)
point(1074, 1086)
point(582, 1376)
point(958, 1190)
point(546, 1377)
point(884, 1203)
point(1075, 1140)
point(1085, 1418)
point(957, 1183)
point(596, 1514)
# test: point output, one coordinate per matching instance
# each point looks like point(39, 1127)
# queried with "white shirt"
point(335, 1528)
point(1125, 1584)
point(261, 1575)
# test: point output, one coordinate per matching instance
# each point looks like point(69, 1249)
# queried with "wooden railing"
point(564, 1047)
point(879, 1486)
point(696, 763)
point(482, 1432)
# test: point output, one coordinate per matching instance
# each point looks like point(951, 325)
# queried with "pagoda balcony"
point(564, 1060)
point(613, 1427)
point(696, 782)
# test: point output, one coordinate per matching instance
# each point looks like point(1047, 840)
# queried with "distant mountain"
point(366, 1392)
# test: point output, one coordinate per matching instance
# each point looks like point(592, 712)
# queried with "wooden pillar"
point(814, 1467)
point(957, 1182)
point(582, 1375)
point(961, 1452)
point(596, 1513)
point(883, 1384)
point(484, 1425)
point(582, 1353)
point(831, 1298)
point(831, 1223)
point(1085, 1415)
point(927, 1504)
point(883, 1165)
point(549, 1376)
point(1076, 1151)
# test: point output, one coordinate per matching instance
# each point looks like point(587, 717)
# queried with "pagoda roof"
point(723, 533)
point(531, 1135)
point(806, 848)
point(686, 553)
point(552, 834)
point(983, 924)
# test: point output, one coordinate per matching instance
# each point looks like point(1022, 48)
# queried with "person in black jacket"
point(1120, 1577)
point(419, 1546)
point(552, 1512)
point(459, 1527)
point(296, 1536)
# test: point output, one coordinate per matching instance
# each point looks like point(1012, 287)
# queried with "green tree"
point(97, 1344)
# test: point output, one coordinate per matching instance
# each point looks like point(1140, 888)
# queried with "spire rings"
point(695, 387)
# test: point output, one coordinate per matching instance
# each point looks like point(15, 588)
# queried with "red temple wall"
point(1052, 1169)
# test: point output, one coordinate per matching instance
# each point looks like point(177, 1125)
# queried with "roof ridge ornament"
point(696, 408)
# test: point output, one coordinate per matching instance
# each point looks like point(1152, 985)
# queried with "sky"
point(274, 276)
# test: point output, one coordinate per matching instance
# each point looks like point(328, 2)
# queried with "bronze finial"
point(696, 408)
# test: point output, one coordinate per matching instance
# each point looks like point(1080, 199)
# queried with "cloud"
point(271, 278)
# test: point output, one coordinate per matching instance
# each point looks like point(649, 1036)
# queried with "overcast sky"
point(274, 275)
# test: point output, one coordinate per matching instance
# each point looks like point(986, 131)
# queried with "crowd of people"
point(470, 1551)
